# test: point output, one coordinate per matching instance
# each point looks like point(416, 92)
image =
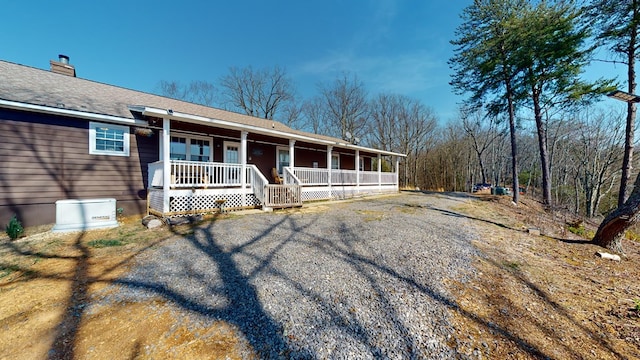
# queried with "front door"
point(232, 156)
point(282, 159)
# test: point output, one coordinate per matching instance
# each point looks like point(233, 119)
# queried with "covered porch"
point(225, 167)
point(206, 187)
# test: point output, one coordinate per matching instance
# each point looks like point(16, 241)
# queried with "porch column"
point(166, 164)
point(397, 172)
point(243, 166)
point(380, 171)
point(329, 157)
point(292, 163)
point(357, 170)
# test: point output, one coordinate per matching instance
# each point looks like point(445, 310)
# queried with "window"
point(361, 165)
point(282, 159)
point(335, 161)
point(198, 149)
point(108, 139)
point(178, 148)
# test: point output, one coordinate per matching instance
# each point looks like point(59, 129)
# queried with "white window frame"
point(188, 138)
point(93, 150)
point(224, 151)
point(337, 157)
point(284, 148)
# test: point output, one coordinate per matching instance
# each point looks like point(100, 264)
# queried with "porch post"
point(397, 173)
point(166, 164)
point(329, 157)
point(292, 163)
point(243, 166)
point(379, 171)
point(357, 170)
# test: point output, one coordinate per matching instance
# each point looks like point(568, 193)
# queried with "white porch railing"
point(188, 174)
point(258, 184)
point(290, 177)
point(312, 176)
point(283, 195)
point(315, 177)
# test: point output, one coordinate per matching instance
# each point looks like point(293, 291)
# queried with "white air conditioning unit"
point(74, 215)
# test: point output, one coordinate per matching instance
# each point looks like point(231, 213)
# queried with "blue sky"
point(393, 46)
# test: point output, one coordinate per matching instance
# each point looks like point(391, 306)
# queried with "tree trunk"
point(611, 231)
point(514, 148)
point(544, 154)
point(631, 116)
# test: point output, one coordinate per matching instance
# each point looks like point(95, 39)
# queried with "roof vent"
point(62, 66)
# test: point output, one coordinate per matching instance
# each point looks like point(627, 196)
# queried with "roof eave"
point(16, 105)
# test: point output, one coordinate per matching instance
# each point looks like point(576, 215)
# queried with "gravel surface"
point(358, 280)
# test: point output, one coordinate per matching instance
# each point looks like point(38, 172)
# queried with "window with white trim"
point(282, 158)
point(190, 148)
point(335, 161)
point(108, 139)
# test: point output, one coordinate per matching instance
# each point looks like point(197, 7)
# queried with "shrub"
point(581, 231)
point(105, 243)
point(14, 228)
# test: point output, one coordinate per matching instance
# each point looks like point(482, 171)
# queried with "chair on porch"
point(276, 177)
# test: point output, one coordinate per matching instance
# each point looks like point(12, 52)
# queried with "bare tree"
point(597, 148)
point(264, 93)
point(345, 108)
point(404, 125)
point(198, 92)
point(483, 132)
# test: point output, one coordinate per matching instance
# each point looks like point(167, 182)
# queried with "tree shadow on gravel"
point(242, 307)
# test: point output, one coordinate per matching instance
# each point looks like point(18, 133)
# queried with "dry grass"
point(545, 296)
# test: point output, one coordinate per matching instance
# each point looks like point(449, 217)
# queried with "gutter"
point(68, 112)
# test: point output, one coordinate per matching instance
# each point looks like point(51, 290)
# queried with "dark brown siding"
point(263, 156)
point(46, 158)
point(306, 158)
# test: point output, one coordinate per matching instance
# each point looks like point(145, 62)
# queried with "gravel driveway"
point(359, 279)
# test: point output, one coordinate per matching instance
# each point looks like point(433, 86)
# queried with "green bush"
point(14, 228)
point(581, 231)
point(105, 243)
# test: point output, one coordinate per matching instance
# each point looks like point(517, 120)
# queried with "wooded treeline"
point(527, 109)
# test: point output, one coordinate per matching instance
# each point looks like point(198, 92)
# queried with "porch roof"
point(37, 90)
point(290, 134)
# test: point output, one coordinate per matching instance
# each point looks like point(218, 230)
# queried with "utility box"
point(85, 214)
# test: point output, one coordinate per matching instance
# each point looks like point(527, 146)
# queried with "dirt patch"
point(545, 296)
point(47, 284)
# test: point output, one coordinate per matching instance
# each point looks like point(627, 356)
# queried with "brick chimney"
point(62, 66)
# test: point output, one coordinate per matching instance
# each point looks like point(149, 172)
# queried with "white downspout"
point(166, 164)
point(243, 166)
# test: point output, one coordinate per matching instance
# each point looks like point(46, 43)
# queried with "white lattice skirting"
point(187, 202)
point(203, 201)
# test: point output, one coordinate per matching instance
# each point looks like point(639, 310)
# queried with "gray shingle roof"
point(30, 85)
